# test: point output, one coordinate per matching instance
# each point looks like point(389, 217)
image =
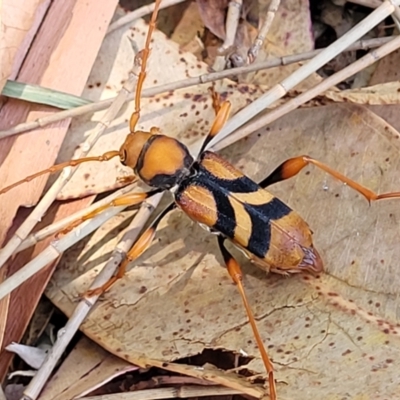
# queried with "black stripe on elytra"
point(261, 216)
point(238, 185)
point(226, 221)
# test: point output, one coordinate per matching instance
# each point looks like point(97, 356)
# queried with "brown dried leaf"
point(384, 93)
point(16, 19)
point(334, 337)
point(188, 30)
point(213, 14)
point(387, 70)
point(86, 368)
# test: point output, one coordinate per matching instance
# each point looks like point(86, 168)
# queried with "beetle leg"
point(72, 163)
point(130, 199)
point(236, 275)
point(125, 180)
point(293, 166)
point(216, 100)
point(141, 245)
point(222, 111)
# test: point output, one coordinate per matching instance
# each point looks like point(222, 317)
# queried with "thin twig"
point(292, 104)
point(36, 237)
point(184, 83)
point(265, 26)
point(396, 17)
point(86, 304)
point(282, 88)
point(231, 25)
point(54, 250)
point(67, 173)
point(139, 13)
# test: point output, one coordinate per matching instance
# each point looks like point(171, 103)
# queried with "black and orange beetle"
point(220, 198)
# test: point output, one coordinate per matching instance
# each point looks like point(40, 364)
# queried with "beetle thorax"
point(158, 160)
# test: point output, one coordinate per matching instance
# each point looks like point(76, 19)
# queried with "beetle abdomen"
point(222, 198)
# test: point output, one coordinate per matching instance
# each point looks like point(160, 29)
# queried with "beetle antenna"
point(141, 59)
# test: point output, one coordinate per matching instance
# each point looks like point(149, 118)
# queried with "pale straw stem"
point(279, 90)
point(86, 304)
point(54, 250)
point(184, 83)
point(139, 13)
point(333, 80)
point(36, 237)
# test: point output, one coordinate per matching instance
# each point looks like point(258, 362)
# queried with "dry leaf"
point(384, 93)
point(16, 19)
point(189, 28)
point(387, 70)
point(213, 14)
point(335, 337)
point(86, 368)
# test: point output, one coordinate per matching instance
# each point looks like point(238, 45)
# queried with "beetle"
point(220, 198)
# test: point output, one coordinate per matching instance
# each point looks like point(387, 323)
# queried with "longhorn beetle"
point(219, 197)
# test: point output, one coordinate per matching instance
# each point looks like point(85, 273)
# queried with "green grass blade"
point(41, 95)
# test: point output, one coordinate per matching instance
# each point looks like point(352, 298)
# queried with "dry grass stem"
point(265, 25)
point(139, 13)
point(292, 104)
point(205, 78)
point(231, 25)
point(396, 17)
point(282, 88)
point(36, 237)
point(24, 230)
point(54, 250)
point(180, 392)
point(85, 305)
